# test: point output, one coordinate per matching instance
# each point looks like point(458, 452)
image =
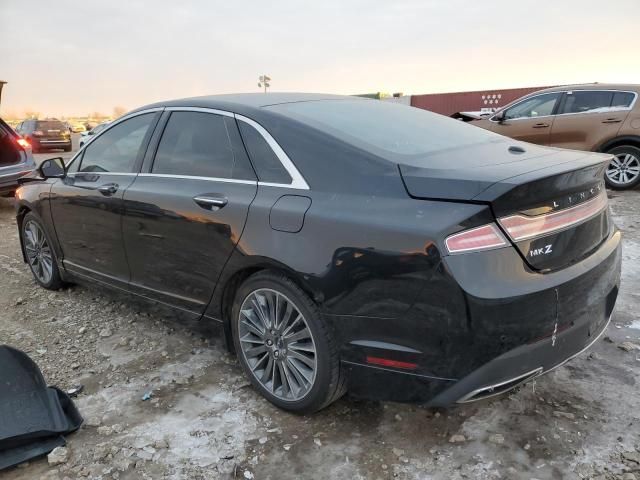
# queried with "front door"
point(185, 214)
point(530, 120)
point(87, 204)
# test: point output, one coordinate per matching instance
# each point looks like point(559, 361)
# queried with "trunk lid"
point(527, 181)
point(51, 130)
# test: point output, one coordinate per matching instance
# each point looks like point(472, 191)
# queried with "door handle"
point(541, 125)
point(612, 120)
point(108, 189)
point(210, 202)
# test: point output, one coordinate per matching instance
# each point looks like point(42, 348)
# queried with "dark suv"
point(15, 159)
point(45, 134)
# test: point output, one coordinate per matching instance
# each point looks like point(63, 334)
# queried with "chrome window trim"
point(200, 109)
point(620, 109)
point(121, 174)
point(113, 124)
point(297, 180)
point(194, 177)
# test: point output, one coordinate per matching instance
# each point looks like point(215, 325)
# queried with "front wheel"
point(39, 253)
point(623, 171)
point(283, 345)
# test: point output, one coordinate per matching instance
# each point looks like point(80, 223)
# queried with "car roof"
point(244, 102)
point(591, 86)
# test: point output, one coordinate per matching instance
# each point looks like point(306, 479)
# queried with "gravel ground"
point(204, 421)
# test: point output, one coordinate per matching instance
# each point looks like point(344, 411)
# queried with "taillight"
point(23, 143)
point(522, 227)
point(479, 238)
point(37, 133)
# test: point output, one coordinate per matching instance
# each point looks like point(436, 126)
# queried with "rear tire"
point(39, 252)
point(67, 149)
point(293, 360)
point(623, 171)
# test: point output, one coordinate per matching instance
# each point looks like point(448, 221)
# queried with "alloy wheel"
point(38, 252)
point(623, 169)
point(277, 344)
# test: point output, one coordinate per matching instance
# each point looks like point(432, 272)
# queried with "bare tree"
point(118, 111)
point(31, 114)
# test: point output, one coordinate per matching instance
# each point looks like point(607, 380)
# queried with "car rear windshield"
point(396, 132)
point(50, 125)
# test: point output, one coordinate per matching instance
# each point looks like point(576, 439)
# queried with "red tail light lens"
point(481, 238)
point(23, 143)
point(522, 227)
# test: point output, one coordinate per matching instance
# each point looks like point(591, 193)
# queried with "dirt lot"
point(204, 421)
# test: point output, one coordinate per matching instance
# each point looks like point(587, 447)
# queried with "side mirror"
point(499, 117)
point(52, 168)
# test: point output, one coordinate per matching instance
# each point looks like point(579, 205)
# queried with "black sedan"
point(343, 243)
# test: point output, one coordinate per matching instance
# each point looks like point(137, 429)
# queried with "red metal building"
point(487, 100)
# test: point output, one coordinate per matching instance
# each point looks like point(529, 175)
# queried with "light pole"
point(2, 84)
point(263, 81)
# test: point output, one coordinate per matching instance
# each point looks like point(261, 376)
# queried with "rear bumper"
point(510, 333)
point(40, 143)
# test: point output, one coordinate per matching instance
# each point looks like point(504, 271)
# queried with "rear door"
point(530, 120)
point(87, 204)
point(588, 118)
point(185, 213)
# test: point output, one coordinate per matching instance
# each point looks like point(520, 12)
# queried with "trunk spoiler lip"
point(596, 158)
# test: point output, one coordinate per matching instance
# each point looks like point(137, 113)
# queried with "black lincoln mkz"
point(344, 243)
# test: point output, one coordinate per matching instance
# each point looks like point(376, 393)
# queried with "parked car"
point(15, 159)
point(87, 136)
point(77, 128)
point(45, 134)
point(342, 243)
point(594, 117)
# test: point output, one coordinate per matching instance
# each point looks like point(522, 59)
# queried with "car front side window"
point(538, 106)
point(118, 148)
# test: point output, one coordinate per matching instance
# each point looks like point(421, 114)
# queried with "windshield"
point(50, 125)
point(395, 132)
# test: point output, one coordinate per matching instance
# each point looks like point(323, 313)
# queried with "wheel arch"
point(222, 303)
point(631, 140)
point(22, 212)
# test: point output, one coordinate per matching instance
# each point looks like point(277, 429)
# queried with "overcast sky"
point(64, 57)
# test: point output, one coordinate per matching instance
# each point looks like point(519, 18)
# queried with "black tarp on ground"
point(33, 417)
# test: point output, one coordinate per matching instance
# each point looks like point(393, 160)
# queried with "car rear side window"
point(264, 159)
point(196, 144)
point(46, 125)
point(622, 99)
point(587, 101)
point(117, 149)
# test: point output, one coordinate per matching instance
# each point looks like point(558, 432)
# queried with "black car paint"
point(358, 242)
